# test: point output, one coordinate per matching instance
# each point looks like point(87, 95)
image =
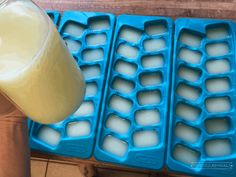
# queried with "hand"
point(7, 108)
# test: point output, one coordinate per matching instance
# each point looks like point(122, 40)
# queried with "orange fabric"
point(14, 149)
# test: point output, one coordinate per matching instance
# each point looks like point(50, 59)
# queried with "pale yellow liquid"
point(37, 72)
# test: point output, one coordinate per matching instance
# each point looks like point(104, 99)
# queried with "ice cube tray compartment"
point(75, 136)
point(201, 137)
point(140, 63)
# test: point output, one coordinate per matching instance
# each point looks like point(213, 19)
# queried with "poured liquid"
point(218, 85)
point(49, 136)
point(190, 39)
point(123, 85)
point(120, 104)
point(218, 147)
point(187, 133)
point(187, 112)
point(218, 66)
point(117, 124)
point(190, 56)
point(188, 92)
point(99, 24)
point(217, 33)
point(217, 49)
point(73, 46)
point(152, 45)
point(189, 74)
point(149, 97)
point(91, 89)
point(151, 79)
point(155, 29)
point(86, 109)
point(125, 68)
point(127, 51)
point(93, 54)
point(217, 125)
point(115, 146)
point(218, 104)
point(73, 29)
point(130, 34)
point(153, 61)
point(37, 71)
point(146, 138)
point(186, 155)
point(96, 39)
point(78, 129)
point(147, 117)
point(90, 72)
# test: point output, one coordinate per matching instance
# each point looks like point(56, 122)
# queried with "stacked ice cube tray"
point(159, 93)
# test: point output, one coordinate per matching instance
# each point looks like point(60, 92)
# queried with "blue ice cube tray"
point(54, 15)
point(153, 156)
point(81, 147)
point(204, 163)
point(156, 156)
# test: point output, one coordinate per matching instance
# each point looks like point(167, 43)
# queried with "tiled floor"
point(40, 168)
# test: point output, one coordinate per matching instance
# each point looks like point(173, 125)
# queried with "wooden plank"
point(223, 9)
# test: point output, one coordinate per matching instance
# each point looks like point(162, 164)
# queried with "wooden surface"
point(49, 165)
point(174, 8)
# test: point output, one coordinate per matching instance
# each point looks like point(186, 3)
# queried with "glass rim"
point(35, 56)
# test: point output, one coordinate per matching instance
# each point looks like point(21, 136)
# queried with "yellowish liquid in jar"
point(37, 72)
